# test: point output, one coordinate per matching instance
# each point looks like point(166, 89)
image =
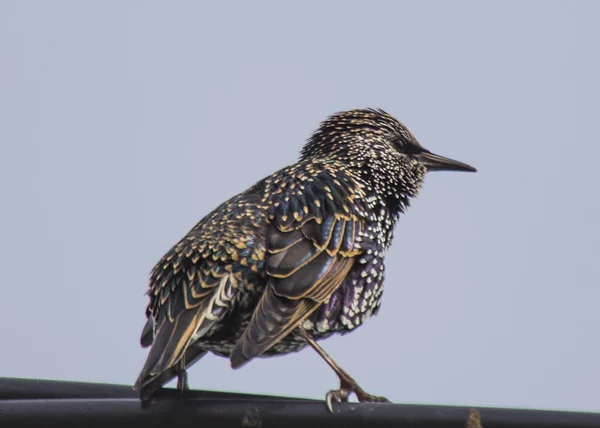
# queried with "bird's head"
point(382, 150)
point(371, 134)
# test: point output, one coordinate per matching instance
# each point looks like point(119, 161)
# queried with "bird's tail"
point(169, 346)
point(156, 383)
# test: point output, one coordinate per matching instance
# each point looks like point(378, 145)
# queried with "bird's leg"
point(182, 378)
point(347, 384)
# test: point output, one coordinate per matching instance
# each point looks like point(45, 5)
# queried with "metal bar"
point(31, 403)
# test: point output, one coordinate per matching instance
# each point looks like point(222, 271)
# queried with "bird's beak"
point(435, 162)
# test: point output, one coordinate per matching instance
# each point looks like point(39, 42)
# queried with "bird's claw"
point(339, 395)
point(342, 395)
point(364, 397)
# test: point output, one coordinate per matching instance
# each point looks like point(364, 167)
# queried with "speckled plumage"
point(301, 251)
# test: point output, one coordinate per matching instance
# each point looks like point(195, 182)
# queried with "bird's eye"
point(407, 147)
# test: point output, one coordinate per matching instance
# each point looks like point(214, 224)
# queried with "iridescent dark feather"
point(310, 250)
point(242, 244)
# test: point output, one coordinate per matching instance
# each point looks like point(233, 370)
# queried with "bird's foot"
point(348, 387)
point(182, 381)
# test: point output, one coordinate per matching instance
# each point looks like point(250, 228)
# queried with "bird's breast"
point(359, 296)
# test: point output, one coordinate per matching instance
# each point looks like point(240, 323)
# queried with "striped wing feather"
point(305, 265)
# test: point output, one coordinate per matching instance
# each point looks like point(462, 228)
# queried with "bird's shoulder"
point(312, 189)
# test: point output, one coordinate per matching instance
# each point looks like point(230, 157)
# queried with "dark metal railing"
point(42, 403)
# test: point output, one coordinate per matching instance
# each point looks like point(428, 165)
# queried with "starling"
point(294, 259)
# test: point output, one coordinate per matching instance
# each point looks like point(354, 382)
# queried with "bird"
point(294, 259)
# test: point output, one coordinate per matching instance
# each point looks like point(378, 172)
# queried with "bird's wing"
point(192, 287)
point(311, 247)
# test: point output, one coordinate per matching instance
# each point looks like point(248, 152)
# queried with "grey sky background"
point(123, 123)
